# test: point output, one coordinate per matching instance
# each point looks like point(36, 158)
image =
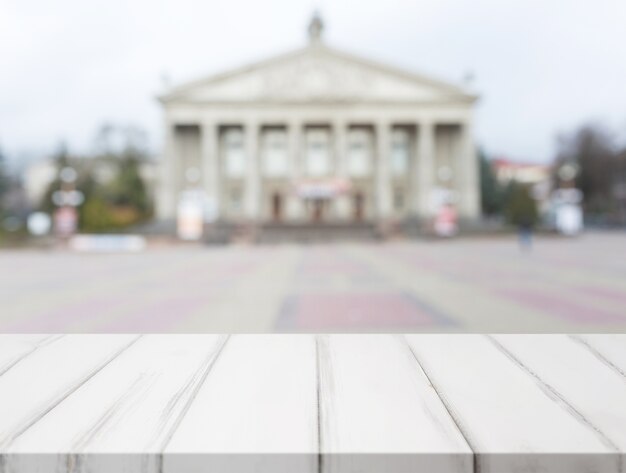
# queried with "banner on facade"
point(190, 215)
point(322, 188)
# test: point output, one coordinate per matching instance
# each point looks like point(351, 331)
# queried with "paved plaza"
point(464, 285)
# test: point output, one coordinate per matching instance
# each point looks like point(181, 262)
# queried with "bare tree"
point(594, 150)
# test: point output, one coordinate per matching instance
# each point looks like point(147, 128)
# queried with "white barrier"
point(108, 243)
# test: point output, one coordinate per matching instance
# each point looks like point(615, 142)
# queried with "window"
point(234, 153)
point(398, 200)
point(235, 200)
point(317, 153)
point(360, 153)
point(400, 153)
point(275, 155)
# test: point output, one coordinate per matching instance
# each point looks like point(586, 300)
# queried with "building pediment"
point(317, 73)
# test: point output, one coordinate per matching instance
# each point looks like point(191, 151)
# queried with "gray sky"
point(541, 66)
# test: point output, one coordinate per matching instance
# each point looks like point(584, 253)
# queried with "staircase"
point(317, 232)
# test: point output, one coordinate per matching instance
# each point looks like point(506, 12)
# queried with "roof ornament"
point(316, 28)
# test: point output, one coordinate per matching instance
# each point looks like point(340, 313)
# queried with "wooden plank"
point(610, 349)
point(585, 386)
point(511, 423)
point(130, 408)
point(47, 376)
point(256, 412)
point(380, 413)
point(14, 348)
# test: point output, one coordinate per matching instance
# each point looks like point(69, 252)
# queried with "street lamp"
point(566, 200)
point(67, 198)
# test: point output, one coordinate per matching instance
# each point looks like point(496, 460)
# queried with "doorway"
point(358, 206)
point(277, 207)
point(318, 210)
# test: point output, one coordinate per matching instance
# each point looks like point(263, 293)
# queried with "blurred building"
point(318, 135)
point(39, 175)
point(506, 170)
point(537, 176)
point(37, 178)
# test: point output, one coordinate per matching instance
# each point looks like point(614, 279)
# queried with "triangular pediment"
point(317, 74)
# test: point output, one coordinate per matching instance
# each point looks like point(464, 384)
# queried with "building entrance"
point(358, 207)
point(318, 209)
point(277, 207)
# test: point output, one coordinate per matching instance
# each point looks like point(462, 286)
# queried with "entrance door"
point(318, 210)
point(358, 206)
point(277, 207)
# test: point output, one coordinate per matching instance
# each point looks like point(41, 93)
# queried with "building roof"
point(317, 73)
point(525, 172)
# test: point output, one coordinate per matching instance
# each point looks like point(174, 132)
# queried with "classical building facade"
point(318, 135)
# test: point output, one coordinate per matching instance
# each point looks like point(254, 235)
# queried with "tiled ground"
point(470, 285)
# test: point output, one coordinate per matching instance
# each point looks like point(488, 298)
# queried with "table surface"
point(312, 403)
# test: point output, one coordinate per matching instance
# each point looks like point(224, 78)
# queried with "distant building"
point(319, 135)
point(535, 175)
point(525, 173)
point(37, 178)
point(40, 174)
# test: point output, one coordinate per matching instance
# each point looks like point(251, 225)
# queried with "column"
point(424, 169)
point(468, 178)
point(340, 152)
point(383, 178)
point(252, 181)
point(210, 167)
point(342, 203)
point(295, 207)
point(167, 196)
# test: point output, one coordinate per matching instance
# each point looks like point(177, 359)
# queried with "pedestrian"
point(525, 233)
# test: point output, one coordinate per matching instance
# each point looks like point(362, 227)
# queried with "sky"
point(541, 67)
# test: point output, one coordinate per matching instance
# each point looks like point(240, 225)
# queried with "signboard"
point(445, 224)
point(567, 196)
point(568, 214)
point(71, 198)
point(190, 216)
point(322, 188)
point(569, 219)
point(39, 223)
point(108, 243)
point(440, 197)
point(65, 221)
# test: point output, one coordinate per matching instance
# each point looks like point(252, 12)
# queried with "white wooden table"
point(305, 403)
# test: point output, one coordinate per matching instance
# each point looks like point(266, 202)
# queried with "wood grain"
point(256, 412)
point(511, 422)
point(312, 404)
point(131, 408)
point(48, 375)
point(14, 348)
point(380, 413)
point(609, 349)
point(591, 391)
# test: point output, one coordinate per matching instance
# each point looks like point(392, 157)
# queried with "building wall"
point(436, 135)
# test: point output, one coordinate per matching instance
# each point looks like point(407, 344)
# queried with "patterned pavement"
point(464, 285)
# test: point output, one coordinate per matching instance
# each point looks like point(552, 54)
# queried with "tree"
point(491, 192)
point(4, 181)
point(130, 189)
point(122, 200)
point(61, 159)
point(520, 207)
point(592, 148)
